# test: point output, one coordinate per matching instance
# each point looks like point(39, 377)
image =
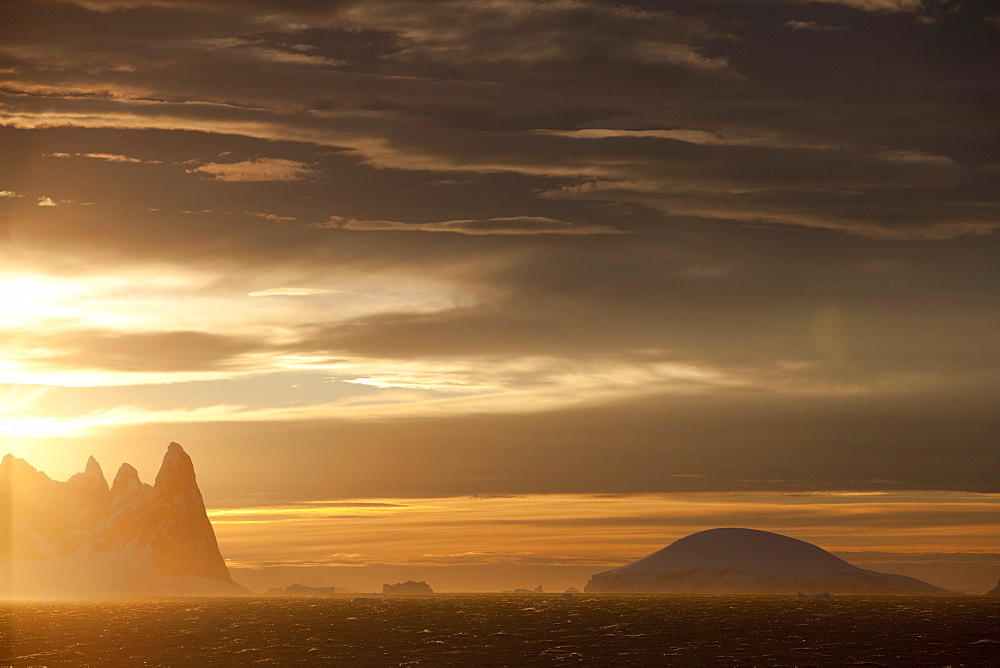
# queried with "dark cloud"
point(127, 351)
point(810, 25)
point(828, 133)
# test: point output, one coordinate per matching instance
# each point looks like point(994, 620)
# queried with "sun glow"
point(28, 300)
point(110, 329)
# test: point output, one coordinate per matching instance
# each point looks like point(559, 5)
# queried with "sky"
point(498, 293)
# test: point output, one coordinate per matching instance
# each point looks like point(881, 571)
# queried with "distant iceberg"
point(825, 596)
point(407, 588)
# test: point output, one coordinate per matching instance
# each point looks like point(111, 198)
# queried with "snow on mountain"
point(80, 537)
point(734, 560)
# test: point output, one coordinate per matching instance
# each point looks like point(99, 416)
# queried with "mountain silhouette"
point(732, 560)
point(81, 537)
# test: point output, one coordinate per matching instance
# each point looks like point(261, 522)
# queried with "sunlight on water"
point(507, 630)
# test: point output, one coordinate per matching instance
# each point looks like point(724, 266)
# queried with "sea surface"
point(505, 630)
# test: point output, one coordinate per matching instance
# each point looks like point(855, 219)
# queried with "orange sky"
point(496, 543)
point(632, 269)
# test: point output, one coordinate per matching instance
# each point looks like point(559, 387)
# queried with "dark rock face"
point(995, 591)
point(41, 518)
point(749, 561)
point(408, 587)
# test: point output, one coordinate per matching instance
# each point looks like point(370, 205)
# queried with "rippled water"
point(505, 630)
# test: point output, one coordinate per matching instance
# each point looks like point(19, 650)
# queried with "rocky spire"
point(177, 527)
point(93, 468)
point(176, 474)
point(126, 480)
point(91, 478)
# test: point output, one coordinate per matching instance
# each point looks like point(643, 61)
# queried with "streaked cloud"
point(472, 69)
point(273, 216)
point(257, 169)
point(454, 389)
point(691, 136)
point(292, 292)
point(907, 6)
point(811, 25)
point(107, 157)
point(515, 225)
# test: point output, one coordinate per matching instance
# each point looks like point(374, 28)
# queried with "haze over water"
point(507, 630)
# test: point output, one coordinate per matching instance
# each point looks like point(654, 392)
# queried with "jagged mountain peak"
point(92, 477)
point(126, 480)
point(126, 472)
point(164, 528)
point(10, 464)
point(178, 517)
point(177, 469)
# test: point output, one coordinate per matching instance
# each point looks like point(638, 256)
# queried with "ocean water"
point(505, 630)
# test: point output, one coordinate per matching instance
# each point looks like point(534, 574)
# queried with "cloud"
point(902, 6)
point(701, 137)
point(107, 157)
point(127, 351)
point(292, 292)
point(811, 25)
point(875, 6)
point(261, 51)
point(894, 211)
point(258, 169)
point(559, 33)
point(391, 85)
point(273, 217)
point(8, 194)
point(515, 225)
point(46, 201)
point(491, 388)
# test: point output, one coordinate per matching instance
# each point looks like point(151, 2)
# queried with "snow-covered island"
point(732, 560)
